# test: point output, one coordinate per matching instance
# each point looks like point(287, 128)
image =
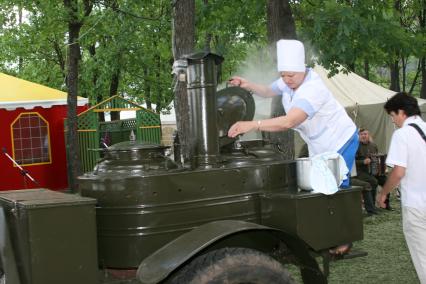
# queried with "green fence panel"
point(150, 127)
point(89, 149)
point(93, 134)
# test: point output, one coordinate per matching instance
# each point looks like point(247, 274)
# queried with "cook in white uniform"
point(310, 107)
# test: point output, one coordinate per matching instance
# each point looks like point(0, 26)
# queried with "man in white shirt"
point(407, 156)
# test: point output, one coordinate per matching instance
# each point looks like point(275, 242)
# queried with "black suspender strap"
point(418, 130)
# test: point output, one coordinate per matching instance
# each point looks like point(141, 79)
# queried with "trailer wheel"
point(233, 265)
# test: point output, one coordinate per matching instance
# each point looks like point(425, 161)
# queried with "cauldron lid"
point(233, 104)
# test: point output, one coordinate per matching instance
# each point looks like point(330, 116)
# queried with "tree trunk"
point(422, 21)
point(20, 59)
point(147, 90)
point(280, 25)
point(366, 69)
point(74, 26)
point(158, 102)
point(394, 73)
point(404, 70)
point(60, 56)
point(413, 84)
point(73, 161)
point(113, 90)
point(209, 35)
point(183, 42)
point(280, 22)
point(394, 66)
point(423, 88)
point(98, 95)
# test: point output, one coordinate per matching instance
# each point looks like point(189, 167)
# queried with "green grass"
point(388, 259)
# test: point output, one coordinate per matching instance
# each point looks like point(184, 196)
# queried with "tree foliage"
point(351, 33)
point(126, 45)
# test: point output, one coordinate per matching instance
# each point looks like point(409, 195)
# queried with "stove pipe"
point(201, 90)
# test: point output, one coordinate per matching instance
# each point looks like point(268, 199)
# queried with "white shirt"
point(328, 126)
point(408, 150)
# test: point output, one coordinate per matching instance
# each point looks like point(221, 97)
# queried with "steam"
point(312, 56)
point(259, 68)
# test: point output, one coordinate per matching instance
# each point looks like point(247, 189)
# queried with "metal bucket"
point(303, 169)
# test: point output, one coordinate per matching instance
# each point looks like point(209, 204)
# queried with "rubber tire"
point(232, 266)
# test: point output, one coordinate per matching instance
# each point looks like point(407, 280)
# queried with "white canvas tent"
point(364, 102)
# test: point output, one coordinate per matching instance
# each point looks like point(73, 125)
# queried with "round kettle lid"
point(233, 104)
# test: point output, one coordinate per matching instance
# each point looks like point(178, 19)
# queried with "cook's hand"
point(380, 200)
point(239, 82)
point(241, 127)
point(367, 161)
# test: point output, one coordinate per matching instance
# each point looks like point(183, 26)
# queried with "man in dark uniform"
point(364, 165)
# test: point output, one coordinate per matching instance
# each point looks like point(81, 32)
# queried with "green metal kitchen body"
point(244, 192)
point(157, 215)
point(145, 211)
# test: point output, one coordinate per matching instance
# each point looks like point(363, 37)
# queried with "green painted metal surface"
point(8, 265)
point(201, 89)
point(53, 236)
point(145, 208)
point(148, 206)
point(322, 221)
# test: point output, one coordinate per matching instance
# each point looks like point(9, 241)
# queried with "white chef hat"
point(290, 55)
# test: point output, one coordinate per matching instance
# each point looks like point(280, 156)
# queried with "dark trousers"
point(382, 180)
point(374, 181)
point(369, 202)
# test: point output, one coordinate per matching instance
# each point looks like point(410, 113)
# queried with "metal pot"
point(303, 169)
